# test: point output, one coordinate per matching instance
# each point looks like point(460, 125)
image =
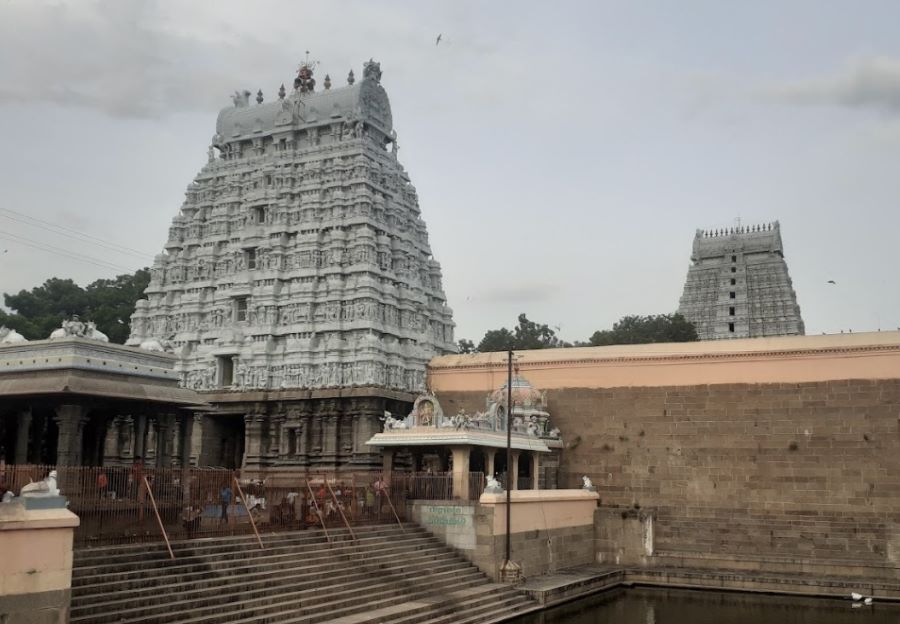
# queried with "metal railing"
point(136, 504)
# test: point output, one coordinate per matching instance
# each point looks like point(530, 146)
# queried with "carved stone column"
point(140, 436)
point(276, 436)
point(253, 426)
point(535, 471)
point(70, 421)
point(126, 439)
point(196, 438)
point(23, 426)
point(164, 433)
point(304, 434)
point(186, 436)
point(367, 424)
point(111, 450)
point(329, 432)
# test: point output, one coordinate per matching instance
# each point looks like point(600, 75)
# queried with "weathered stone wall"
point(805, 475)
point(36, 563)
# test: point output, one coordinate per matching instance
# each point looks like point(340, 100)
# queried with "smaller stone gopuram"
point(738, 285)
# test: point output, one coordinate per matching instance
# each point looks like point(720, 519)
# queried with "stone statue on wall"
point(10, 336)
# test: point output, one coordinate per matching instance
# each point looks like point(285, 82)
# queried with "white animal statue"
point(10, 336)
point(41, 489)
point(532, 429)
point(95, 334)
point(554, 433)
point(493, 484)
point(393, 423)
point(152, 345)
point(586, 483)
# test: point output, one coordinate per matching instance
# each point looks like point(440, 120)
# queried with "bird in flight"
point(832, 282)
point(438, 40)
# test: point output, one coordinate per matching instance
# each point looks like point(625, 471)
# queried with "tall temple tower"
point(738, 285)
point(297, 268)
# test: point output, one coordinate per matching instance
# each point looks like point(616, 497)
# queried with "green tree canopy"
point(107, 302)
point(644, 329)
point(526, 335)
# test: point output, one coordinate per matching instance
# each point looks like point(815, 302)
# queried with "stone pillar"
point(70, 421)
point(330, 432)
point(196, 438)
point(164, 441)
point(22, 429)
point(461, 471)
point(277, 437)
point(185, 435)
point(126, 439)
point(140, 436)
point(111, 451)
point(387, 463)
point(513, 471)
point(489, 454)
point(252, 440)
point(366, 425)
point(535, 470)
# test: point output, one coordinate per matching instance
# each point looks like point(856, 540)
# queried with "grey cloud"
point(521, 292)
point(868, 82)
point(118, 58)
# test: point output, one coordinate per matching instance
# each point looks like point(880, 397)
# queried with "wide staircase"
point(386, 575)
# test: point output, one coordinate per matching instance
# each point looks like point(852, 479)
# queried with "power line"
point(69, 232)
point(72, 255)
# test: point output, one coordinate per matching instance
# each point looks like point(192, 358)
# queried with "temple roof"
point(365, 100)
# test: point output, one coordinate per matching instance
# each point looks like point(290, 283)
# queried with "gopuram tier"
point(298, 274)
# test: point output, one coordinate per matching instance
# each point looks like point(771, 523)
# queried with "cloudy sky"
point(564, 152)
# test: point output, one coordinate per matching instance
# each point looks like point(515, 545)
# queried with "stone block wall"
point(550, 530)
point(452, 521)
point(805, 475)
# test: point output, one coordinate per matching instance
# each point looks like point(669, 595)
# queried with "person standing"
point(225, 496)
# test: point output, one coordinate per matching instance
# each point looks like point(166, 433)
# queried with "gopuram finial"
point(281, 92)
point(351, 78)
point(259, 97)
point(304, 80)
point(327, 82)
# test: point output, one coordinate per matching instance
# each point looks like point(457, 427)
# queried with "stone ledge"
point(14, 517)
point(539, 496)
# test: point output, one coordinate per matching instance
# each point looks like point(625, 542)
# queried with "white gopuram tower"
point(298, 268)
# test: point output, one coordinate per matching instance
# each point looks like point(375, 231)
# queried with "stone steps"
point(262, 561)
point(203, 593)
point(384, 577)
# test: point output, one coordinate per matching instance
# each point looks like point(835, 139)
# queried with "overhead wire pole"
point(509, 475)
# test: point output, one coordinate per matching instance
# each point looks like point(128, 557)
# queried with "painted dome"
point(523, 394)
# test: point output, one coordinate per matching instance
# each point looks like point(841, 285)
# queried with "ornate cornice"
point(676, 357)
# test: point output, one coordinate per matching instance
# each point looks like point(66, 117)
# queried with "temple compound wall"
point(781, 454)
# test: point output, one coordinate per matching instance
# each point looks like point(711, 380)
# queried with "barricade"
point(114, 505)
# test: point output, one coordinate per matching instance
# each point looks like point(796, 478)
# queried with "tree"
point(466, 346)
point(526, 335)
point(645, 329)
point(107, 302)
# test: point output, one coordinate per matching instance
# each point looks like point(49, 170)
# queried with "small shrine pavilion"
point(464, 443)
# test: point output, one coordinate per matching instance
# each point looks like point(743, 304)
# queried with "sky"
point(564, 153)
